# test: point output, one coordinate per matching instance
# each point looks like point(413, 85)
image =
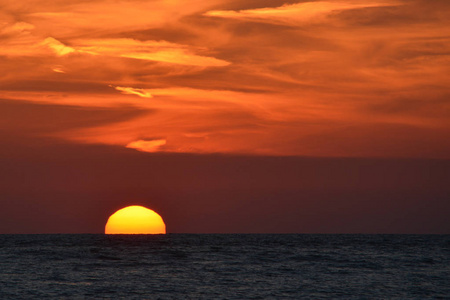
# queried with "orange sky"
point(319, 78)
point(226, 116)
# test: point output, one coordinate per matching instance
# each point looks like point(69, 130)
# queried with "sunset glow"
point(135, 220)
point(275, 116)
point(315, 78)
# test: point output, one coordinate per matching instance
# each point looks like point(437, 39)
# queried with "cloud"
point(133, 91)
point(294, 13)
point(147, 145)
point(161, 51)
point(59, 48)
point(58, 70)
point(104, 17)
point(179, 57)
point(225, 77)
point(18, 39)
point(16, 28)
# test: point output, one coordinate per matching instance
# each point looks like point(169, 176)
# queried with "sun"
point(135, 220)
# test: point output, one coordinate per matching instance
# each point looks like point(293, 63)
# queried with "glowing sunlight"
point(135, 220)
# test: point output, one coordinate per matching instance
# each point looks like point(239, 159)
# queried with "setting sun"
point(135, 220)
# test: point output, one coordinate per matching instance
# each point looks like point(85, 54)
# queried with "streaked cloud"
point(339, 78)
point(16, 28)
point(179, 57)
point(59, 48)
point(161, 51)
point(295, 13)
point(147, 145)
point(58, 70)
point(133, 91)
point(103, 17)
point(17, 39)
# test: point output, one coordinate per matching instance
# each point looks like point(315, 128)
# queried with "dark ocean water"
point(190, 266)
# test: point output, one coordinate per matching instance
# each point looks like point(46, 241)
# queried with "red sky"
point(321, 116)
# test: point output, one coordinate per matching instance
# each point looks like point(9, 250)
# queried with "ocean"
point(224, 266)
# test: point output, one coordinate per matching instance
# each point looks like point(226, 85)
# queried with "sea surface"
point(225, 266)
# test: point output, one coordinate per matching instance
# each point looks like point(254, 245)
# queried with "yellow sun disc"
point(135, 220)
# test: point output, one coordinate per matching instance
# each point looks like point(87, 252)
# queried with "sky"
point(226, 116)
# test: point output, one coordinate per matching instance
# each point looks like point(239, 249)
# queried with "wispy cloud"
point(17, 39)
point(133, 91)
point(59, 48)
point(295, 13)
point(225, 77)
point(58, 70)
point(103, 17)
point(179, 57)
point(147, 145)
point(161, 51)
point(16, 28)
